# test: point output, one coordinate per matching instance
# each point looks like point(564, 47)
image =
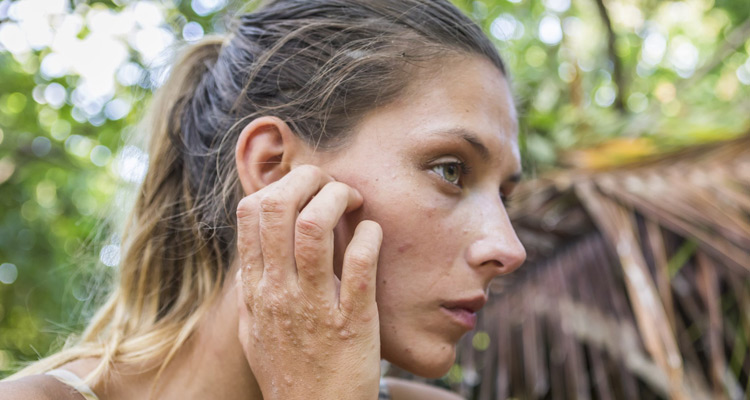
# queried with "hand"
point(305, 333)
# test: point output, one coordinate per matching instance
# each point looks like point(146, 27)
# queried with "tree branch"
point(617, 73)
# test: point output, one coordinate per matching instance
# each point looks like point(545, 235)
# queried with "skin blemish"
point(402, 249)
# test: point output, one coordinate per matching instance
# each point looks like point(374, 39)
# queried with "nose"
point(496, 250)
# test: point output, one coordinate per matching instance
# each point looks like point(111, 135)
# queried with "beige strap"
point(73, 381)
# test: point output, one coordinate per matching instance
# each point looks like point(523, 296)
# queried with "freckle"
point(384, 281)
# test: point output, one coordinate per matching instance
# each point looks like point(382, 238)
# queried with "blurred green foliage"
point(76, 76)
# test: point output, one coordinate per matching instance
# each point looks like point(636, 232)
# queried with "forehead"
point(461, 97)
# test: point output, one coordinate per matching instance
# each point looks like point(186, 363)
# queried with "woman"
point(325, 189)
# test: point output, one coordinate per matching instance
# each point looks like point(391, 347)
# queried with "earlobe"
point(264, 153)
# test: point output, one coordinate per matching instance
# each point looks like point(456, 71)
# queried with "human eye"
point(452, 171)
point(506, 194)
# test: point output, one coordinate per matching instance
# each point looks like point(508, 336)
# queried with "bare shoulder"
point(37, 387)
point(407, 390)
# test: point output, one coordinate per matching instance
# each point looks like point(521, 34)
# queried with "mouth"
point(464, 312)
point(467, 319)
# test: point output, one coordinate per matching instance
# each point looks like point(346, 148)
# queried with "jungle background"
point(624, 105)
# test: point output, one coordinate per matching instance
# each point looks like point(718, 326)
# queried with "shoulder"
point(401, 389)
point(37, 387)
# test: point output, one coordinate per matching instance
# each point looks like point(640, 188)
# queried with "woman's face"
point(433, 168)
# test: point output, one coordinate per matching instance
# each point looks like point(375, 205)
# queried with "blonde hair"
point(319, 65)
point(160, 296)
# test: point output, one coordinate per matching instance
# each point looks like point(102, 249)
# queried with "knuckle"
point(345, 321)
point(246, 207)
point(369, 315)
point(309, 229)
point(360, 258)
point(273, 203)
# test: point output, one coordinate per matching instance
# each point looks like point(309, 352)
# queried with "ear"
point(266, 149)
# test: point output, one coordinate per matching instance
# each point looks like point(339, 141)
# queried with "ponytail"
point(164, 286)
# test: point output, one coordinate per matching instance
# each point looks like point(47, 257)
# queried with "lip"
point(472, 304)
point(464, 312)
point(463, 317)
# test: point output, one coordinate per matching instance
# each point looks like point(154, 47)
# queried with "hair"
point(318, 65)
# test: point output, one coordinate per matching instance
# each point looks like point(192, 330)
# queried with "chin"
point(432, 363)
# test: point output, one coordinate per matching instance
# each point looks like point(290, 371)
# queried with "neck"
point(211, 364)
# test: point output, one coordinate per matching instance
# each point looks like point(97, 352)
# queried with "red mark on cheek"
point(363, 286)
point(402, 249)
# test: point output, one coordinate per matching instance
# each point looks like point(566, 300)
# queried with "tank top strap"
point(384, 393)
point(73, 381)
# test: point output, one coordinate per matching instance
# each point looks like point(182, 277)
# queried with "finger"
point(360, 268)
point(313, 237)
point(248, 242)
point(243, 314)
point(279, 205)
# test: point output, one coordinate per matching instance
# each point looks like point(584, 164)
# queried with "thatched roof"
point(637, 285)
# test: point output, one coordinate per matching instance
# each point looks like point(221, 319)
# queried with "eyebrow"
point(479, 147)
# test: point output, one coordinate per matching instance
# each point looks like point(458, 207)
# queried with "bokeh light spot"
point(46, 193)
point(605, 96)
point(15, 103)
point(40, 146)
point(132, 164)
point(60, 129)
point(117, 109)
point(55, 95)
point(100, 155)
point(8, 273)
point(192, 31)
point(129, 74)
point(550, 31)
point(205, 7)
point(637, 102)
point(535, 56)
point(110, 255)
point(557, 5)
point(506, 27)
point(481, 341)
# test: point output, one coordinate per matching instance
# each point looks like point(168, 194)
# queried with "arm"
point(401, 389)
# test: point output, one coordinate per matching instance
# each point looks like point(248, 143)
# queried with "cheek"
point(421, 231)
point(418, 234)
point(418, 251)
